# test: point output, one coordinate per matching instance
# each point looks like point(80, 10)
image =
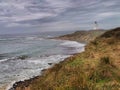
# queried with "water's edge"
point(26, 82)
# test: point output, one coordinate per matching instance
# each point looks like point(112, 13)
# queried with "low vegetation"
point(82, 36)
point(98, 68)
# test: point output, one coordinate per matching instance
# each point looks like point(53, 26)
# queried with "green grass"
point(98, 68)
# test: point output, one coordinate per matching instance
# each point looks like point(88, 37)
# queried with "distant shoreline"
point(82, 36)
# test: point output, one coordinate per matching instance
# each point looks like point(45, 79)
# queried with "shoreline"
point(93, 51)
point(27, 82)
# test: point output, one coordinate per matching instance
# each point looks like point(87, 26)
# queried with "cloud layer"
point(59, 14)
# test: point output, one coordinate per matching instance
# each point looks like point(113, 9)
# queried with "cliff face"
point(82, 36)
point(98, 68)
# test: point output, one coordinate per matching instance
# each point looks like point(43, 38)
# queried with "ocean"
point(25, 56)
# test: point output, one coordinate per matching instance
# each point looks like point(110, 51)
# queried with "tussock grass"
point(98, 68)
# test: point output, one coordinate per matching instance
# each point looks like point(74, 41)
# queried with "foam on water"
point(33, 67)
point(3, 60)
point(72, 44)
point(43, 53)
point(18, 70)
point(33, 38)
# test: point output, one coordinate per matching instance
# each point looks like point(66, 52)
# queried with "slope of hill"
point(82, 36)
point(98, 68)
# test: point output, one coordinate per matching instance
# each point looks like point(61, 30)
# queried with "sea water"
point(39, 53)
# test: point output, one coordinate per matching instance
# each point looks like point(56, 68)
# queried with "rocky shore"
point(25, 85)
point(95, 69)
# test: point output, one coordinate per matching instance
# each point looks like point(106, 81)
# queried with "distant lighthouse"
point(95, 25)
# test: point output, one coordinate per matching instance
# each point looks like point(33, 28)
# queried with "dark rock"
point(23, 57)
point(50, 63)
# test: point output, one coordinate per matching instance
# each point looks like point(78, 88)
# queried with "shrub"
point(94, 42)
point(105, 60)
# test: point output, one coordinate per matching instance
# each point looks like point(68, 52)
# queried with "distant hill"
point(97, 68)
point(82, 36)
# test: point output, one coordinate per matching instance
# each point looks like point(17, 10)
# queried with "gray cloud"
point(59, 14)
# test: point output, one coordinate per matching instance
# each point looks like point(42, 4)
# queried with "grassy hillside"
point(82, 36)
point(98, 68)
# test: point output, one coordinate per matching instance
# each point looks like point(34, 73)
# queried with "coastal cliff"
point(82, 36)
point(97, 68)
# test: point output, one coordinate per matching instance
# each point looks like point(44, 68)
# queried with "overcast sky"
point(19, 16)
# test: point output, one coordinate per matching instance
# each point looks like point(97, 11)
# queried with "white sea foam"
point(35, 66)
point(72, 44)
point(33, 38)
point(10, 85)
point(3, 60)
point(52, 52)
